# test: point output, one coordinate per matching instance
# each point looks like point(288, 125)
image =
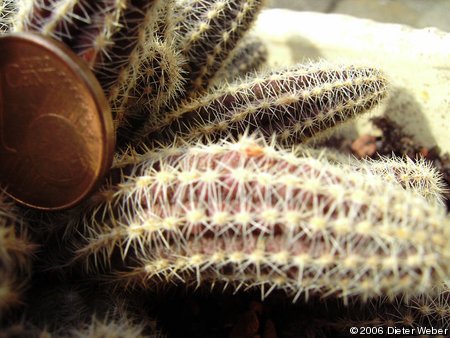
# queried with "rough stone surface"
point(415, 13)
point(304, 5)
point(416, 60)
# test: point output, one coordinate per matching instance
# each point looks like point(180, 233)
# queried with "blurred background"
point(415, 13)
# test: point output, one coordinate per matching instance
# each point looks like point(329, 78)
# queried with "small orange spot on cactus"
point(254, 150)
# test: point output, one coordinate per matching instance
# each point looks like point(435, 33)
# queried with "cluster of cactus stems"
point(124, 43)
point(147, 55)
point(193, 200)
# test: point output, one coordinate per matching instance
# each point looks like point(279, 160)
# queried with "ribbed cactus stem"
point(129, 24)
point(61, 20)
point(248, 57)
point(208, 31)
point(293, 104)
point(152, 77)
point(248, 215)
point(119, 94)
point(166, 21)
point(158, 81)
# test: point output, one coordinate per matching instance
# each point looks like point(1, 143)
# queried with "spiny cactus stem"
point(250, 215)
point(293, 104)
point(249, 56)
point(208, 33)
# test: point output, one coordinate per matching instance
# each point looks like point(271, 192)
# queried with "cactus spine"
point(153, 61)
point(248, 215)
point(294, 104)
point(153, 78)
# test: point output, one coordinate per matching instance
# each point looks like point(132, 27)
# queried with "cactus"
point(294, 104)
point(95, 328)
point(15, 255)
point(68, 307)
point(152, 77)
point(7, 11)
point(84, 26)
point(24, 329)
point(103, 33)
point(138, 53)
point(122, 328)
point(155, 79)
point(207, 31)
point(248, 215)
point(417, 176)
point(249, 56)
point(240, 214)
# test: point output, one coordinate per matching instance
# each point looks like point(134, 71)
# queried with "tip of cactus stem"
point(417, 176)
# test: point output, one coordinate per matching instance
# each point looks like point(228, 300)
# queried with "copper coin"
point(56, 129)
